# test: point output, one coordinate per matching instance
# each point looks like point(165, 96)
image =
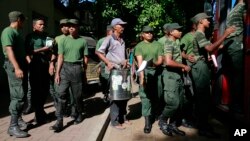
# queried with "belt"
point(72, 63)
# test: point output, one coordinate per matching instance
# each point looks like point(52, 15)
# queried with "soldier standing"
point(16, 68)
point(151, 51)
point(71, 66)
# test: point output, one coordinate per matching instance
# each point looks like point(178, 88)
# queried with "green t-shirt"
point(173, 48)
point(162, 40)
point(99, 43)
point(149, 51)
point(235, 17)
point(35, 40)
point(57, 40)
point(73, 49)
point(200, 41)
point(13, 38)
point(187, 43)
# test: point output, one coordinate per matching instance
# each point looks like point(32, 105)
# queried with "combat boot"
point(14, 129)
point(28, 109)
point(176, 130)
point(148, 125)
point(22, 124)
point(79, 119)
point(58, 126)
point(164, 126)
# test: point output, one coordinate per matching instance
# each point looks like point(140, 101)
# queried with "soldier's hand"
point(51, 69)
point(187, 68)
point(57, 79)
point(110, 66)
point(19, 73)
point(230, 30)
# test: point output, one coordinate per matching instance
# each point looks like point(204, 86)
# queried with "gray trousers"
point(71, 76)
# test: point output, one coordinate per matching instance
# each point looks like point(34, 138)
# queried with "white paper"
point(142, 66)
point(214, 60)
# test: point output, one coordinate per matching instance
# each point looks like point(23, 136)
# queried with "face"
point(65, 29)
point(39, 25)
point(119, 28)
point(176, 33)
point(205, 22)
point(73, 29)
point(148, 36)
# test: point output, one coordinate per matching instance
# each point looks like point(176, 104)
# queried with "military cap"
point(147, 29)
point(109, 27)
point(117, 21)
point(73, 21)
point(173, 26)
point(165, 26)
point(64, 21)
point(199, 17)
point(14, 15)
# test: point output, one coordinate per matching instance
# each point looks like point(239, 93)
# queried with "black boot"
point(58, 126)
point(176, 130)
point(164, 126)
point(22, 124)
point(28, 109)
point(79, 119)
point(148, 125)
point(14, 129)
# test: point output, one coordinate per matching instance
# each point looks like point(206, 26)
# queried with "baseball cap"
point(117, 21)
point(147, 29)
point(173, 26)
point(73, 21)
point(14, 15)
point(64, 21)
point(199, 17)
point(165, 26)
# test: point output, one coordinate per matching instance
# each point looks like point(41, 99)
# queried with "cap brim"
point(122, 23)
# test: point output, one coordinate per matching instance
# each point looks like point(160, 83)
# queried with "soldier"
point(38, 57)
point(114, 45)
point(233, 55)
point(201, 73)
point(163, 39)
point(104, 76)
point(173, 83)
point(15, 66)
point(71, 66)
point(151, 51)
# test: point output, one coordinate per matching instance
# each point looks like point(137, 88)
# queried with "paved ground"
point(95, 126)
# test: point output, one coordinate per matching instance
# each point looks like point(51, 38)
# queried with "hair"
point(37, 19)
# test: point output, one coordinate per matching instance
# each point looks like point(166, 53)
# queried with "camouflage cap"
point(199, 17)
point(15, 15)
point(73, 21)
point(147, 29)
point(64, 21)
point(173, 26)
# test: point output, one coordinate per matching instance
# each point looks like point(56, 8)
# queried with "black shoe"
point(58, 126)
point(187, 123)
point(208, 133)
point(14, 129)
point(148, 125)
point(79, 119)
point(165, 128)
point(177, 131)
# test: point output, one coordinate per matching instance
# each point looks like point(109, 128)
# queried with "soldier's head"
point(73, 27)
point(174, 30)
point(109, 30)
point(38, 25)
point(201, 19)
point(147, 33)
point(17, 17)
point(64, 26)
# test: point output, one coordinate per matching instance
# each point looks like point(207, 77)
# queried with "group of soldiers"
point(173, 61)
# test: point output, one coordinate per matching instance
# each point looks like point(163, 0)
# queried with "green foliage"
point(154, 13)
